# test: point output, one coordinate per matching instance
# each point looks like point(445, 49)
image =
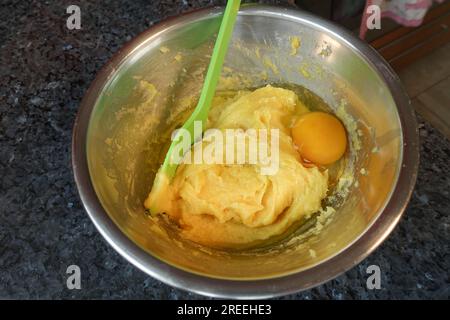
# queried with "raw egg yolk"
point(320, 137)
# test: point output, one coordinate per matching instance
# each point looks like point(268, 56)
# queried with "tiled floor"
point(427, 82)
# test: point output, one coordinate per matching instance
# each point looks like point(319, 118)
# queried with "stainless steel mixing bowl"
point(126, 116)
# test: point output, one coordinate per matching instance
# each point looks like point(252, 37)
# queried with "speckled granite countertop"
point(45, 70)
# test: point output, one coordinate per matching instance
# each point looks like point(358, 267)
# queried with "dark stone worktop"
point(45, 70)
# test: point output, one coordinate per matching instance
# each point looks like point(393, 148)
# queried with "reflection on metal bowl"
point(119, 141)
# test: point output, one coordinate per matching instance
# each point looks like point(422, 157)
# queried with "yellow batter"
point(234, 205)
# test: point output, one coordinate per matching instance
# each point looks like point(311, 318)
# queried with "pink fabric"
point(424, 4)
point(409, 13)
point(401, 20)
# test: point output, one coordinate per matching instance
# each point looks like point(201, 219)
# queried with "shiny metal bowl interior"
point(114, 163)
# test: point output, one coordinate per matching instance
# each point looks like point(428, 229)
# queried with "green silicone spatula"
point(200, 113)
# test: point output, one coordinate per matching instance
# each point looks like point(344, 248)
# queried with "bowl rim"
point(352, 255)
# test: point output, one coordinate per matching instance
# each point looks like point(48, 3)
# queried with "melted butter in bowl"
point(235, 206)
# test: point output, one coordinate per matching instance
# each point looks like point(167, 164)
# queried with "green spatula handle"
point(209, 87)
